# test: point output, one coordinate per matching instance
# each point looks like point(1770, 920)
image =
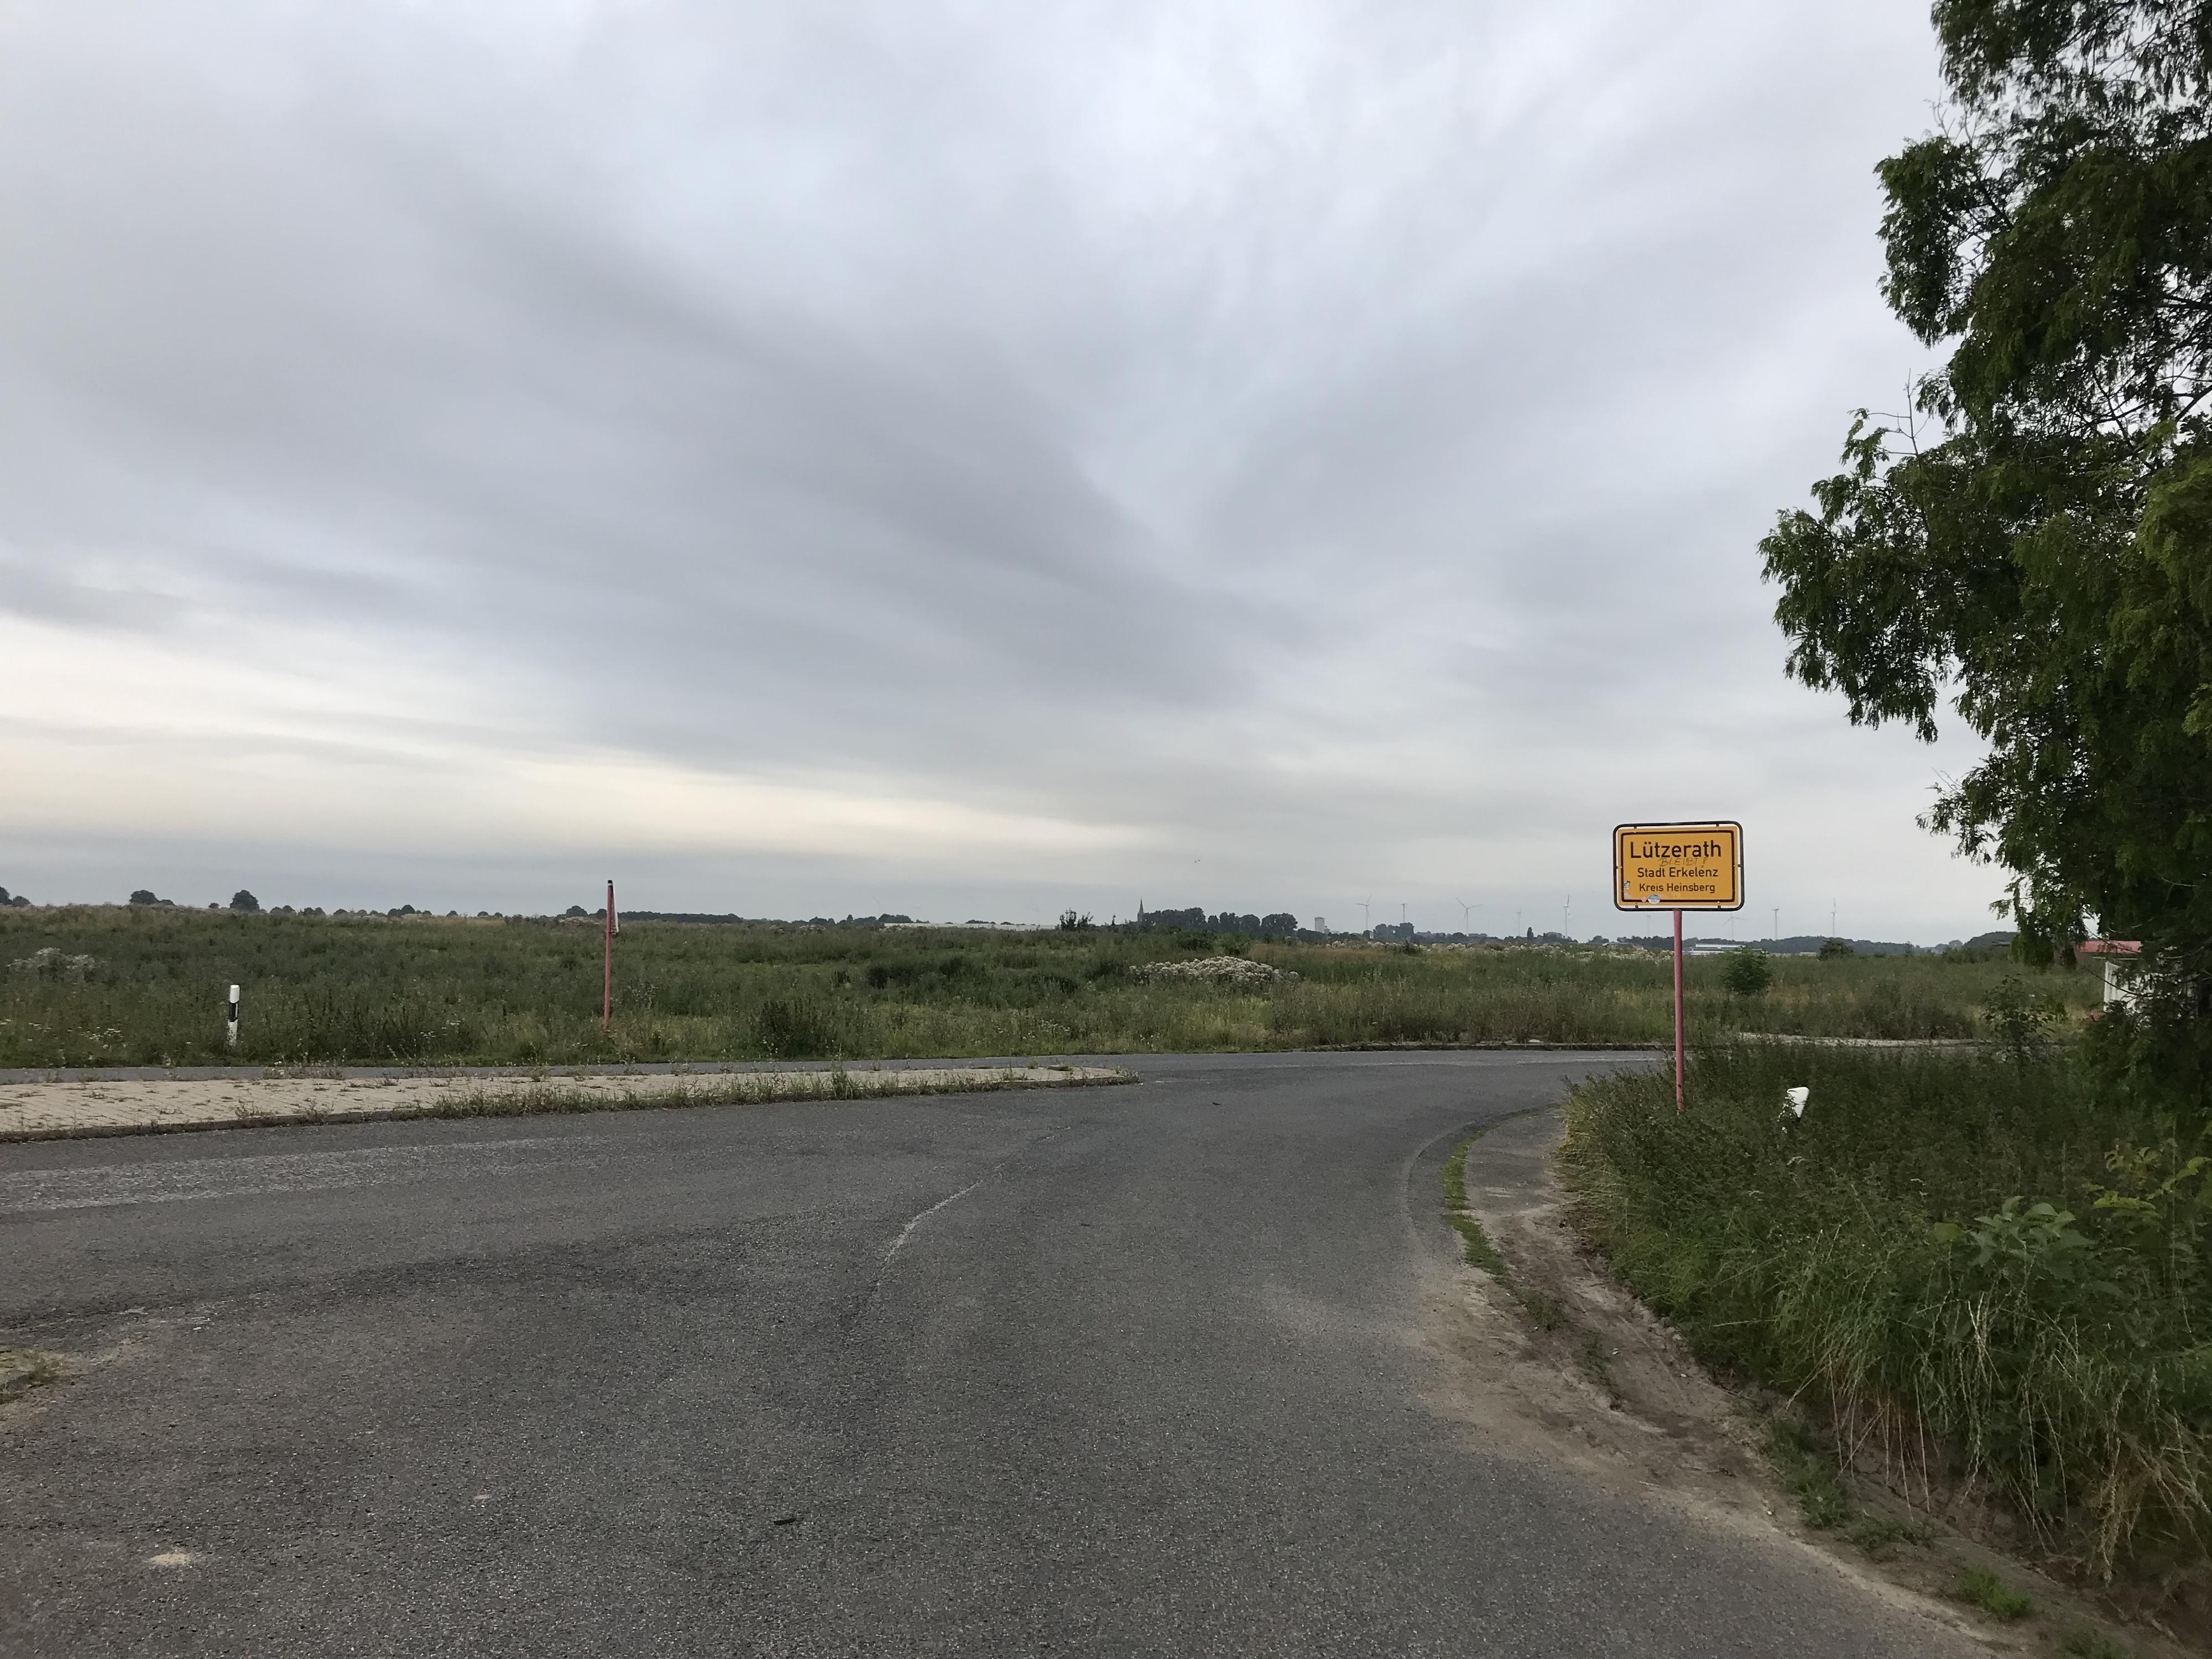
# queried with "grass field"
point(1979, 1261)
point(112, 985)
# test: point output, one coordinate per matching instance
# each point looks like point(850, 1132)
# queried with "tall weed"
point(1981, 1257)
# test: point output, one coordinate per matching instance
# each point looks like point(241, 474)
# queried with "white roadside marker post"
point(230, 1036)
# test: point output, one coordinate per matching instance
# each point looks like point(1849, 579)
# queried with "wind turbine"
point(1464, 910)
point(1364, 905)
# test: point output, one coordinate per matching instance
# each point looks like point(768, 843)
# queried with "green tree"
point(242, 900)
point(2033, 538)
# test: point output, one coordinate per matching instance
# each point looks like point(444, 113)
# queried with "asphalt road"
point(1126, 1371)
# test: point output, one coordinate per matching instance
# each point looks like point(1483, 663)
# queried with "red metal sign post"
point(1678, 1011)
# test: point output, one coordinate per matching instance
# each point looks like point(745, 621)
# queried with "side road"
point(1599, 1372)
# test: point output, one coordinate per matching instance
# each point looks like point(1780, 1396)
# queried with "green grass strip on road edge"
point(1480, 1251)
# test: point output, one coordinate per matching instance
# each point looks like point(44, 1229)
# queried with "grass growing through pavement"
point(1809, 1474)
point(1480, 1251)
point(1878, 1535)
point(1925, 1252)
point(421, 990)
point(22, 1370)
point(1808, 1468)
point(2082, 1642)
point(1984, 1590)
point(1597, 1366)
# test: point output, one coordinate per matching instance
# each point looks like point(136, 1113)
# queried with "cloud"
point(1053, 446)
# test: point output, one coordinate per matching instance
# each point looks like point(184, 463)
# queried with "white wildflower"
point(1216, 970)
point(49, 962)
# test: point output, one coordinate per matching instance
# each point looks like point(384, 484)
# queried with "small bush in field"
point(2019, 1019)
point(1749, 972)
point(793, 1028)
point(50, 963)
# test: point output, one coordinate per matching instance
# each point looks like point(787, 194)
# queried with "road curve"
point(1132, 1370)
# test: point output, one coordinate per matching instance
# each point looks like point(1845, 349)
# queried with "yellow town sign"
point(1678, 866)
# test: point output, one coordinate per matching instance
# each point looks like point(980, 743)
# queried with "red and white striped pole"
point(1678, 1011)
point(607, 996)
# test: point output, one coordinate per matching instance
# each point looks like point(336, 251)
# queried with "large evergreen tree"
point(2034, 542)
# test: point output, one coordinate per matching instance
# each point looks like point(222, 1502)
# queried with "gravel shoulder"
point(76, 1108)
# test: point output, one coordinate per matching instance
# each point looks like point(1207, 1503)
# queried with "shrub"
point(1748, 973)
point(50, 963)
point(1832, 950)
point(242, 900)
point(2022, 1021)
point(790, 1028)
point(1985, 1590)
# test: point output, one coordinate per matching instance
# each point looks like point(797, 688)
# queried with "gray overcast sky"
point(960, 458)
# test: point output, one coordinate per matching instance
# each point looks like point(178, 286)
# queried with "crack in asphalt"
point(907, 1231)
point(867, 1299)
